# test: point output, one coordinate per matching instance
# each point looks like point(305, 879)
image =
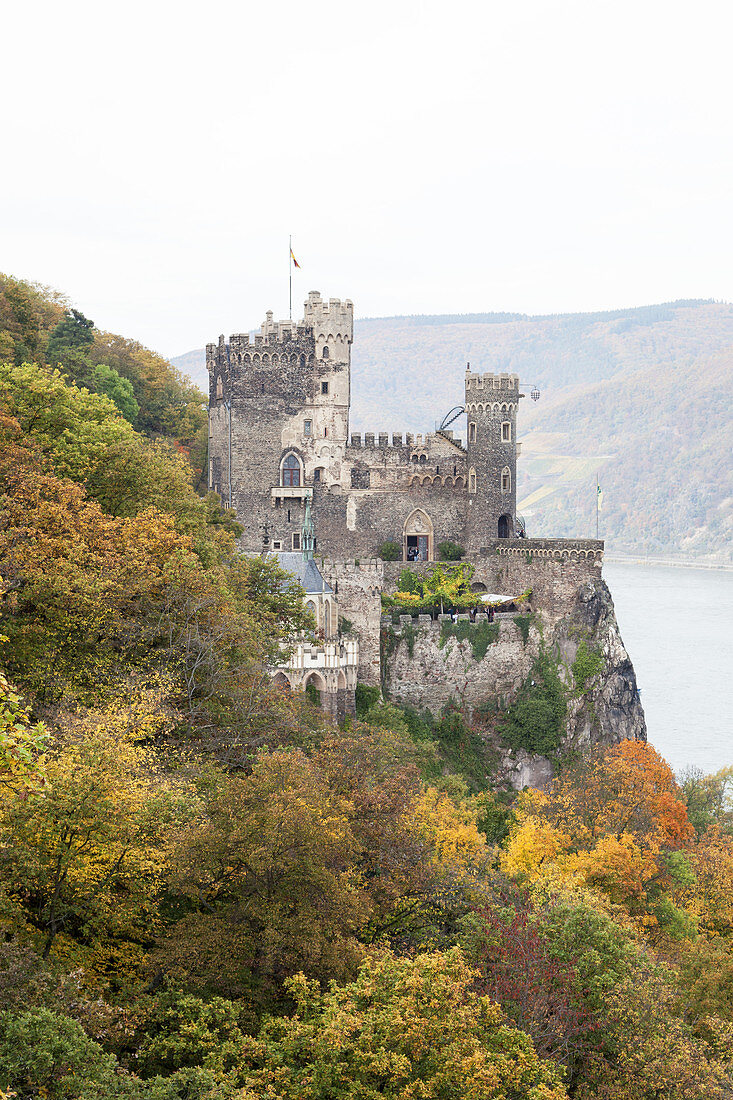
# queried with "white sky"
point(427, 157)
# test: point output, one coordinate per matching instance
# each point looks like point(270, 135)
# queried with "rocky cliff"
point(565, 665)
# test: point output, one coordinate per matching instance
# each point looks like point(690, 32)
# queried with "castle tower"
point(492, 402)
point(279, 418)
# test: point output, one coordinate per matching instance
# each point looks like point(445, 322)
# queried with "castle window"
point(296, 541)
point(506, 480)
point(472, 433)
point(317, 475)
point(326, 354)
point(307, 427)
point(277, 544)
point(219, 389)
point(506, 431)
point(278, 502)
point(288, 515)
point(324, 385)
point(472, 481)
point(291, 470)
point(423, 459)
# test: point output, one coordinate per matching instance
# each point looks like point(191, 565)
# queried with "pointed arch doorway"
point(417, 537)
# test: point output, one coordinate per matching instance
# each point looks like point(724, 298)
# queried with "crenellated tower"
point(277, 406)
point(492, 403)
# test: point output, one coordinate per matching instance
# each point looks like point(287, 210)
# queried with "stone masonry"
point(279, 435)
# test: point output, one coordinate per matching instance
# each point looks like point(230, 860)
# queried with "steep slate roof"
point(307, 572)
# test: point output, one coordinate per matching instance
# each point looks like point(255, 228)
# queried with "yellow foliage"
point(451, 830)
point(534, 845)
point(619, 867)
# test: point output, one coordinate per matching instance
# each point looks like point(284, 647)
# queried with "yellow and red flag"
point(292, 257)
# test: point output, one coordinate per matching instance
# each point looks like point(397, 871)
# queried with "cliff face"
point(427, 664)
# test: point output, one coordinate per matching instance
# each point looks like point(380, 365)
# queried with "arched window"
point(506, 431)
point(471, 432)
point(327, 619)
point(472, 481)
point(423, 459)
point(506, 480)
point(291, 470)
point(310, 606)
point(219, 389)
point(325, 354)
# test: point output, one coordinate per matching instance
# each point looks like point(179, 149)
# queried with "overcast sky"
point(427, 157)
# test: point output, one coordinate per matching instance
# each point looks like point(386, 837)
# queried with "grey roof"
point(305, 571)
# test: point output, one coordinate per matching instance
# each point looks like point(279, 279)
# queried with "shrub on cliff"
point(536, 720)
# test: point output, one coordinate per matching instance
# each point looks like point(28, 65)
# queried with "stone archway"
point(281, 681)
point(505, 527)
point(417, 537)
point(314, 680)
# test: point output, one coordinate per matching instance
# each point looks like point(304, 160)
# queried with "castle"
point(279, 436)
point(280, 450)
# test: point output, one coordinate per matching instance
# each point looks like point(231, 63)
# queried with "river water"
point(677, 625)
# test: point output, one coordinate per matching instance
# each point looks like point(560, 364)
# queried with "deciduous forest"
point(208, 891)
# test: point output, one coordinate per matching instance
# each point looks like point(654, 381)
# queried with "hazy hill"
point(640, 396)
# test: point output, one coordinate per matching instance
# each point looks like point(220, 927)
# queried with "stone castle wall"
point(287, 394)
point(358, 586)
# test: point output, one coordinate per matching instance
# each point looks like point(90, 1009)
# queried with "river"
point(677, 625)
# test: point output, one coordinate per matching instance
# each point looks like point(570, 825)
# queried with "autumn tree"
point(269, 879)
point(23, 743)
point(82, 859)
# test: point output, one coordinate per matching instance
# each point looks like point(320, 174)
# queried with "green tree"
point(69, 345)
point(108, 382)
point(46, 1054)
point(405, 1027)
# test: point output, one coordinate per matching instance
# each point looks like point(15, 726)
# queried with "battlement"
point(478, 383)
point(400, 440)
point(333, 653)
point(325, 325)
point(361, 440)
point(350, 567)
point(588, 550)
point(329, 318)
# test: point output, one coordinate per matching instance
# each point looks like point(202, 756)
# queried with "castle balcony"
point(291, 492)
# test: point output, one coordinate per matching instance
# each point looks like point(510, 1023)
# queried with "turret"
point(492, 402)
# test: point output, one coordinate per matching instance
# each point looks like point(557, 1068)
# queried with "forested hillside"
point(640, 397)
point(208, 891)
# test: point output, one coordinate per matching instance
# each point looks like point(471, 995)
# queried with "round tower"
point(492, 402)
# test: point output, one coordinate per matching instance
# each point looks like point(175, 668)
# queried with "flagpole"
point(596, 506)
point(290, 269)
